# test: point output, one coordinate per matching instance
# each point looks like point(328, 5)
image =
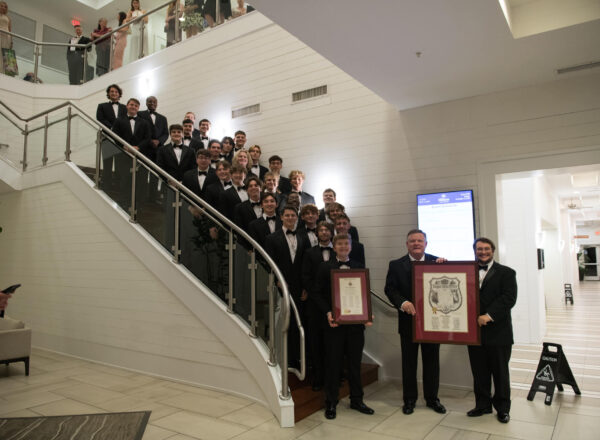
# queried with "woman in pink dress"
point(120, 42)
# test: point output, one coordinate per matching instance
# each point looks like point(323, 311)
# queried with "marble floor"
point(64, 385)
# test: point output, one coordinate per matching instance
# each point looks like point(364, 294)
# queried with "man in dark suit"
point(137, 133)
point(398, 288)
point(174, 157)
point(188, 138)
point(192, 117)
point(213, 191)
point(332, 211)
point(214, 148)
point(239, 141)
point(315, 323)
point(75, 58)
point(160, 134)
point(308, 225)
point(297, 181)
point(275, 165)
point(329, 196)
point(497, 295)
point(342, 226)
point(340, 340)
point(255, 167)
point(199, 179)
point(287, 248)
point(203, 129)
point(270, 186)
point(250, 210)
point(106, 114)
point(235, 195)
point(268, 222)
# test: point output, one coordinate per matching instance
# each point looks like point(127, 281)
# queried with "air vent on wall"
point(244, 111)
point(309, 93)
point(585, 66)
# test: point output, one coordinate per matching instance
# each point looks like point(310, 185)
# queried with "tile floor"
point(63, 385)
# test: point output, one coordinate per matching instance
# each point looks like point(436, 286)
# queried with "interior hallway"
point(63, 385)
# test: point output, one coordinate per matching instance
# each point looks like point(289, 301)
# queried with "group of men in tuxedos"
point(489, 361)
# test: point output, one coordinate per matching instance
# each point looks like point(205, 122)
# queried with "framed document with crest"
point(350, 296)
point(446, 298)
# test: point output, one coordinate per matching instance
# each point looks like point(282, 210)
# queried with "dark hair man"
point(213, 191)
point(343, 226)
point(214, 148)
point(268, 222)
point(192, 116)
point(309, 215)
point(160, 134)
point(340, 340)
point(329, 196)
point(275, 165)
point(235, 195)
point(251, 209)
point(489, 361)
point(174, 157)
point(188, 138)
point(75, 57)
point(398, 288)
point(240, 141)
point(106, 114)
point(255, 167)
point(198, 179)
point(204, 128)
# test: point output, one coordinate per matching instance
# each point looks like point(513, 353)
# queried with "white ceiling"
point(466, 46)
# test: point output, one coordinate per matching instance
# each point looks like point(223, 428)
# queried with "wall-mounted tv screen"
point(449, 222)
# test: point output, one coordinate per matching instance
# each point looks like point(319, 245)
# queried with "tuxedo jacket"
point(285, 186)
point(358, 252)
point(323, 282)
point(398, 288)
point(243, 214)
point(213, 193)
point(228, 200)
point(262, 172)
point(277, 247)
point(497, 295)
point(195, 144)
point(190, 180)
point(139, 137)
point(259, 229)
point(313, 258)
point(166, 159)
point(160, 128)
point(106, 115)
point(79, 50)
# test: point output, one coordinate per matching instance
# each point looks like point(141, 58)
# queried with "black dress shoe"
point(503, 417)
point(361, 407)
point(330, 412)
point(477, 412)
point(437, 406)
point(409, 407)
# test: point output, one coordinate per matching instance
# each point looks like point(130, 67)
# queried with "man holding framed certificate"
point(343, 298)
point(399, 289)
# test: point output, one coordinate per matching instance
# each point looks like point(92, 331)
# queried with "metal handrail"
point(383, 300)
point(172, 182)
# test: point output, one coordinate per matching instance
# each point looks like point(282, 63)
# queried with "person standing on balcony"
point(137, 38)
point(102, 47)
point(170, 22)
point(120, 42)
point(242, 9)
point(5, 25)
point(75, 56)
point(193, 21)
point(210, 11)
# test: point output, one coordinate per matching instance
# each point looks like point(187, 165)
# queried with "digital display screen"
point(448, 220)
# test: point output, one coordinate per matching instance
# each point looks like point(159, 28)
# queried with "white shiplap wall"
point(375, 157)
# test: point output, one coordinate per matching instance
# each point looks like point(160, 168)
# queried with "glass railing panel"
point(35, 144)
point(122, 163)
point(11, 143)
point(83, 141)
point(262, 298)
point(242, 286)
point(57, 136)
point(154, 206)
point(203, 244)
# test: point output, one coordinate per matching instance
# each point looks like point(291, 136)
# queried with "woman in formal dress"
point(102, 47)
point(120, 42)
point(170, 22)
point(5, 39)
point(193, 20)
point(210, 11)
point(136, 37)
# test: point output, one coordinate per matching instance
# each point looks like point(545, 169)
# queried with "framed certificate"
point(446, 298)
point(350, 296)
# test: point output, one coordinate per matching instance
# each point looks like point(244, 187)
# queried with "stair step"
point(307, 401)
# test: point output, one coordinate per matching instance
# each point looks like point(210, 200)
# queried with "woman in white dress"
point(135, 38)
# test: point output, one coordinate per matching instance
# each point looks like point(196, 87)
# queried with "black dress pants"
point(430, 356)
point(347, 340)
point(491, 362)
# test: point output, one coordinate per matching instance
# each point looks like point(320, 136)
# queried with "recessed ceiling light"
point(96, 4)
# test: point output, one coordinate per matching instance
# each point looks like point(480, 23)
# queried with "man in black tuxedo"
point(315, 323)
point(137, 133)
point(234, 195)
point(332, 211)
point(192, 117)
point(214, 148)
point(174, 157)
point(75, 58)
point(287, 249)
point(283, 183)
point(309, 215)
point(160, 134)
point(203, 129)
point(398, 288)
point(268, 222)
point(239, 141)
point(255, 167)
point(497, 295)
point(342, 226)
point(297, 181)
point(199, 179)
point(251, 209)
point(270, 186)
point(340, 340)
point(106, 114)
point(188, 138)
point(213, 191)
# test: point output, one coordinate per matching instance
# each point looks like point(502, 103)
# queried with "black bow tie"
point(187, 137)
point(271, 218)
point(253, 204)
point(215, 161)
point(177, 146)
point(151, 111)
point(228, 183)
point(113, 103)
point(325, 248)
point(483, 267)
point(204, 137)
point(202, 173)
point(132, 117)
point(313, 230)
point(289, 231)
point(222, 155)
